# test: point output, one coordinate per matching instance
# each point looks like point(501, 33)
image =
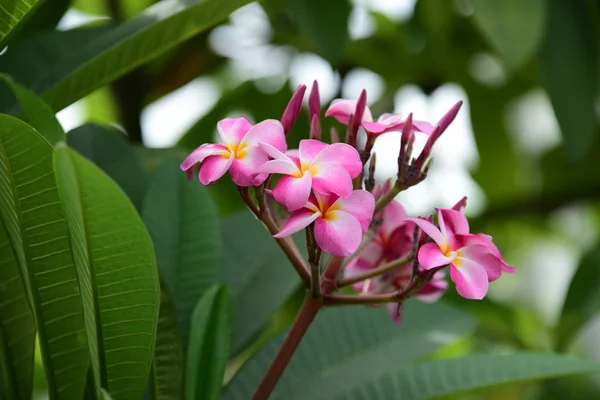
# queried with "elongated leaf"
point(513, 27)
point(45, 19)
point(36, 112)
point(583, 298)
point(182, 220)
point(66, 79)
point(31, 211)
point(353, 346)
point(109, 149)
point(168, 364)
point(209, 345)
point(122, 298)
point(570, 46)
point(17, 327)
point(259, 275)
point(13, 14)
point(452, 376)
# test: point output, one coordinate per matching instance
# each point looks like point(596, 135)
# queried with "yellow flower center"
point(238, 150)
point(305, 167)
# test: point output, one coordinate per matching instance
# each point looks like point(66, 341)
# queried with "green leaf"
point(182, 220)
point(449, 377)
point(209, 345)
point(168, 364)
point(583, 298)
point(36, 112)
point(513, 27)
point(117, 273)
point(325, 23)
point(353, 347)
point(65, 78)
point(45, 18)
point(13, 15)
point(259, 275)
point(569, 66)
point(17, 327)
point(109, 149)
point(32, 214)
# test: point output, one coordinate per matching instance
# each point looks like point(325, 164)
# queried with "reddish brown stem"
point(329, 277)
point(307, 313)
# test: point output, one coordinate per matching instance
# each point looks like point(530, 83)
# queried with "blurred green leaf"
point(128, 8)
point(36, 112)
point(168, 363)
point(569, 66)
point(325, 23)
point(352, 348)
point(182, 220)
point(13, 15)
point(513, 27)
point(449, 377)
point(45, 18)
point(17, 327)
point(209, 345)
point(258, 274)
point(117, 273)
point(583, 299)
point(109, 149)
point(32, 214)
point(109, 55)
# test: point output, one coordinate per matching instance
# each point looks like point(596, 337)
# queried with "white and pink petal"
point(338, 234)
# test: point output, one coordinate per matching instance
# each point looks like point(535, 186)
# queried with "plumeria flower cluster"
point(328, 191)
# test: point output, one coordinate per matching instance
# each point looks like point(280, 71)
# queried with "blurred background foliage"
point(525, 148)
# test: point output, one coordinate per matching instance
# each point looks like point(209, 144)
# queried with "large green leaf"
point(354, 347)
point(449, 377)
point(36, 112)
point(45, 18)
point(569, 65)
point(17, 327)
point(109, 149)
point(513, 27)
point(583, 299)
point(209, 345)
point(13, 14)
point(32, 213)
point(65, 78)
point(117, 273)
point(168, 364)
point(182, 220)
point(259, 275)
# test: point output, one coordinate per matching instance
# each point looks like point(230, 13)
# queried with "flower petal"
point(432, 291)
point(341, 109)
point(198, 155)
point(213, 168)
point(481, 255)
point(360, 204)
point(243, 168)
point(285, 167)
point(293, 192)
point(352, 269)
point(297, 221)
point(269, 131)
point(309, 148)
point(338, 234)
point(232, 130)
point(395, 312)
point(455, 222)
point(431, 230)
point(393, 216)
point(423, 126)
point(430, 256)
point(470, 279)
point(374, 127)
point(331, 178)
point(341, 154)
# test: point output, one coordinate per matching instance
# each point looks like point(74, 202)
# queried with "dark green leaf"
point(13, 15)
point(46, 18)
point(449, 377)
point(513, 27)
point(353, 347)
point(109, 149)
point(117, 273)
point(259, 275)
point(65, 78)
point(209, 345)
point(569, 65)
point(182, 220)
point(168, 364)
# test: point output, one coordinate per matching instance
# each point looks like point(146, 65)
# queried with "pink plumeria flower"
point(326, 168)
point(339, 223)
point(471, 258)
point(342, 109)
point(237, 153)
